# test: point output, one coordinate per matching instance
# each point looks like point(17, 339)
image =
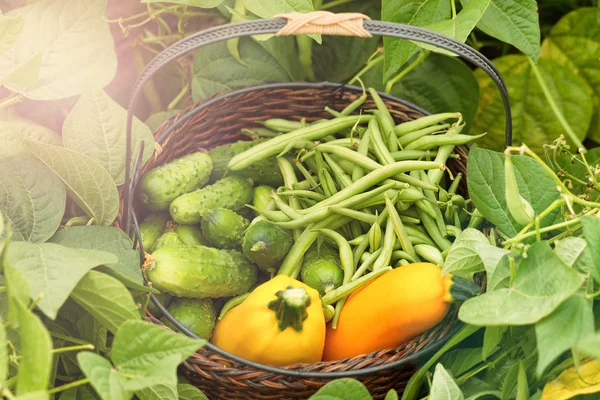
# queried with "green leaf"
point(156, 119)
point(36, 353)
point(37, 395)
point(573, 43)
point(79, 393)
point(14, 130)
point(485, 395)
point(574, 165)
point(270, 8)
point(574, 381)
point(3, 353)
point(26, 75)
point(284, 51)
point(514, 22)
point(343, 389)
point(107, 299)
point(104, 379)
point(492, 337)
point(534, 123)
point(158, 392)
point(86, 181)
point(193, 3)
point(591, 234)
point(542, 283)
point(570, 249)
point(459, 361)
point(139, 346)
point(52, 270)
point(189, 392)
point(391, 395)
point(96, 127)
point(17, 289)
point(439, 84)
point(495, 262)
point(70, 50)
point(10, 29)
point(109, 239)
point(572, 321)
point(32, 198)
point(522, 385)
point(443, 386)
point(485, 181)
point(590, 345)
point(410, 12)
point(462, 259)
point(215, 71)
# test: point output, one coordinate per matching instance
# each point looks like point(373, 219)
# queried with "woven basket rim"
point(174, 122)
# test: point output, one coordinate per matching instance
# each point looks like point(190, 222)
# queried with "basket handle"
point(323, 22)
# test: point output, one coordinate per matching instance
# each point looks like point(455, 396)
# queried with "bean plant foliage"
point(72, 295)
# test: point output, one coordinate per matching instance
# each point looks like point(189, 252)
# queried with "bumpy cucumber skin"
point(168, 239)
point(152, 227)
point(321, 269)
point(191, 235)
point(201, 272)
point(266, 244)
point(163, 184)
point(198, 315)
point(224, 228)
point(263, 172)
point(262, 197)
point(231, 192)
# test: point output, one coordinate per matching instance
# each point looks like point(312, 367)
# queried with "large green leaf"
point(438, 85)
point(32, 198)
point(107, 299)
point(572, 321)
point(443, 386)
point(534, 122)
point(513, 21)
point(193, 3)
point(158, 392)
point(26, 75)
point(463, 259)
point(86, 181)
point(215, 71)
point(542, 283)
point(284, 51)
point(189, 392)
point(96, 127)
point(10, 29)
point(74, 40)
point(107, 382)
point(270, 8)
point(573, 42)
point(52, 270)
point(485, 181)
point(109, 239)
point(342, 389)
point(14, 130)
point(36, 353)
point(459, 361)
point(591, 234)
point(410, 12)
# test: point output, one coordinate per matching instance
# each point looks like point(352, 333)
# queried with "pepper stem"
point(290, 307)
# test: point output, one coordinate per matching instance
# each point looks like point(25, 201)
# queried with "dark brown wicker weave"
point(218, 120)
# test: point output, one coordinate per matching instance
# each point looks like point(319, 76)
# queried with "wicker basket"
point(219, 120)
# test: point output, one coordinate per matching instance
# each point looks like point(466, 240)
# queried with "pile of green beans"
point(380, 191)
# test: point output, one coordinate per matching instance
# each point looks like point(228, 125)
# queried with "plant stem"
point(453, 4)
point(422, 56)
point(154, 39)
point(70, 385)
point(333, 4)
point(69, 339)
point(6, 393)
point(554, 106)
point(179, 96)
point(14, 98)
point(73, 348)
point(366, 68)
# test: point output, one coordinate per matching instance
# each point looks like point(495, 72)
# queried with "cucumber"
point(198, 315)
point(232, 192)
point(262, 198)
point(224, 228)
point(163, 184)
point(190, 235)
point(321, 269)
point(201, 272)
point(266, 244)
point(151, 228)
point(262, 172)
point(168, 239)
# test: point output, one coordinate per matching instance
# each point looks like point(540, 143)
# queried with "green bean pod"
point(427, 143)
point(430, 253)
point(411, 137)
point(423, 122)
point(398, 227)
point(519, 208)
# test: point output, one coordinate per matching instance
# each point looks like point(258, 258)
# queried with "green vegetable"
point(163, 184)
point(519, 208)
point(165, 300)
point(198, 315)
point(321, 269)
point(201, 272)
point(231, 192)
point(224, 228)
point(266, 244)
point(168, 239)
point(261, 199)
point(190, 234)
point(151, 228)
point(264, 172)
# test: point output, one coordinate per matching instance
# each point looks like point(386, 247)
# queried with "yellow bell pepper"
point(280, 323)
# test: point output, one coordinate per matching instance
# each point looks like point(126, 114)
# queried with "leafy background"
point(72, 299)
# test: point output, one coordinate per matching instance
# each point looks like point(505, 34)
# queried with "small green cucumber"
point(163, 184)
point(232, 192)
point(168, 239)
point(266, 244)
point(190, 234)
point(198, 315)
point(224, 228)
point(151, 228)
point(262, 172)
point(262, 199)
point(321, 269)
point(201, 272)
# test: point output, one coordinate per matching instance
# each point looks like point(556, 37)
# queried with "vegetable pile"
point(353, 211)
